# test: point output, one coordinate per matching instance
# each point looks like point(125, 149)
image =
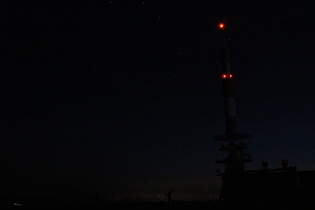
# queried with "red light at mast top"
point(221, 25)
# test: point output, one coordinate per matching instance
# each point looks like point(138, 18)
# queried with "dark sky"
point(124, 98)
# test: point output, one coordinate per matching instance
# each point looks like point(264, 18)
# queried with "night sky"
point(124, 97)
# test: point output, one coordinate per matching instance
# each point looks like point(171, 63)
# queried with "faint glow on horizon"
point(17, 204)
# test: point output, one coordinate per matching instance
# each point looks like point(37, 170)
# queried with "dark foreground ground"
point(209, 205)
point(116, 205)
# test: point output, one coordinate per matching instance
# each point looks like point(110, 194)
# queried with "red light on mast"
point(225, 76)
point(221, 25)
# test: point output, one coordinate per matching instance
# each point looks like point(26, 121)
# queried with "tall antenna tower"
point(233, 145)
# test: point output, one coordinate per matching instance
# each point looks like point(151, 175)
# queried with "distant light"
point(230, 75)
point(224, 76)
point(221, 25)
point(17, 204)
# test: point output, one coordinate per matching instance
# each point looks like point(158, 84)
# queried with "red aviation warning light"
point(226, 76)
point(221, 25)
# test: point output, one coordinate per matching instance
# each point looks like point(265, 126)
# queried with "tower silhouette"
point(233, 145)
